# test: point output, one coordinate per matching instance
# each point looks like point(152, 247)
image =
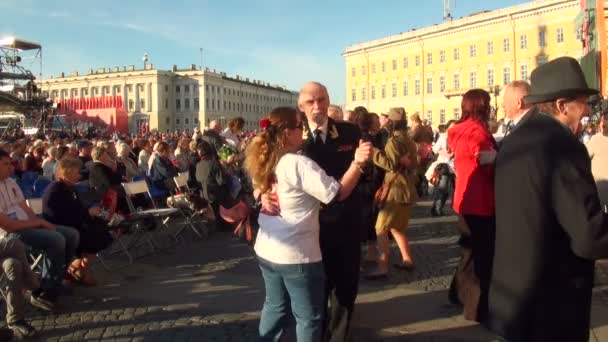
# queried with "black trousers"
point(483, 235)
point(341, 259)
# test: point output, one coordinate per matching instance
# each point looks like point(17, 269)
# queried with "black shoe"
point(45, 301)
point(22, 329)
point(434, 212)
point(376, 275)
point(6, 335)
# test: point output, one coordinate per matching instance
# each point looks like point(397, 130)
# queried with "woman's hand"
point(364, 152)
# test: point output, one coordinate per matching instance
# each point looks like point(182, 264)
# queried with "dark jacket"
point(549, 230)
point(161, 172)
point(102, 178)
point(214, 138)
point(335, 157)
point(214, 182)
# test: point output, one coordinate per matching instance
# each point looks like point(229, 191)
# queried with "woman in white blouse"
point(287, 246)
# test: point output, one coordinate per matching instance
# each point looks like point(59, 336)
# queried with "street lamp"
point(496, 91)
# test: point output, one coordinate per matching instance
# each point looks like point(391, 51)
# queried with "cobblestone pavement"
point(211, 290)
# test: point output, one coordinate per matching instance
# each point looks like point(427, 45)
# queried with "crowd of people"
point(531, 202)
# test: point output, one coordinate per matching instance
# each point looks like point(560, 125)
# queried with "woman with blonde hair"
point(60, 205)
point(287, 246)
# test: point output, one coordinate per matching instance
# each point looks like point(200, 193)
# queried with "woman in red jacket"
point(474, 153)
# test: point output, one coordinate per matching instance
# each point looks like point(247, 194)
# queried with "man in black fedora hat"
point(549, 223)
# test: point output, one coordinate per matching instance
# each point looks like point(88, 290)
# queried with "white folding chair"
point(181, 184)
point(141, 188)
point(35, 258)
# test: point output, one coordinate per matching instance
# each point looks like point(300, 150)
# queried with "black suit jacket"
point(549, 229)
point(334, 157)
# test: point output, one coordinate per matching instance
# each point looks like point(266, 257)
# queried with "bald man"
point(513, 104)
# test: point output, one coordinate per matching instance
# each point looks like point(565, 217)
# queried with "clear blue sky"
point(279, 41)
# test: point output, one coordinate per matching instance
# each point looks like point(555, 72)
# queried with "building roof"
point(476, 18)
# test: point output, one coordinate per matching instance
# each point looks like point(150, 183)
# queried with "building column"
point(149, 98)
point(125, 97)
point(137, 106)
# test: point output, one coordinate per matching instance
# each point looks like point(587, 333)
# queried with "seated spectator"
point(61, 206)
point(144, 156)
point(103, 175)
point(215, 183)
point(31, 162)
point(18, 278)
point(57, 242)
point(129, 167)
point(162, 170)
point(48, 165)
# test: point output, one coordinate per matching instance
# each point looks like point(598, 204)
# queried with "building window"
point(456, 113)
point(429, 58)
point(353, 96)
point(523, 42)
point(187, 104)
point(542, 38)
point(456, 82)
point(560, 34)
point(206, 104)
point(523, 72)
point(417, 87)
point(384, 91)
point(441, 56)
point(405, 62)
point(490, 48)
point(177, 121)
point(374, 68)
point(373, 92)
point(442, 116)
point(166, 103)
point(394, 89)
point(383, 66)
point(579, 34)
point(352, 72)
point(506, 45)
point(177, 89)
point(186, 121)
point(131, 104)
point(394, 64)
point(187, 89)
point(406, 90)
point(196, 104)
point(363, 94)
point(473, 79)
point(178, 104)
point(167, 121)
point(129, 88)
point(417, 61)
point(196, 121)
point(212, 104)
point(429, 85)
point(363, 70)
point(506, 76)
point(142, 104)
point(429, 116)
point(473, 51)
point(490, 78)
point(441, 84)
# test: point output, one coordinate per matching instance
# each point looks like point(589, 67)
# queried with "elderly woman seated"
point(61, 206)
point(129, 167)
point(104, 178)
point(162, 170)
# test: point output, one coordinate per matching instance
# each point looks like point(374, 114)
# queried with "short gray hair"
point(524, 86)
point(122, 147)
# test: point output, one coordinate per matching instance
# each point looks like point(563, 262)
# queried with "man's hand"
point(405, 161)
point(46, 225)
point(270, 203)
point(364, 152)
point(94, 211)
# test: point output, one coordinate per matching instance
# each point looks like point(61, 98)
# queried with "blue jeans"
point(59, 248)
point(299, 286)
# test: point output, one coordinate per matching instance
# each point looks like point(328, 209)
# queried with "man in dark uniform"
point(550, 227)
point(332, 145)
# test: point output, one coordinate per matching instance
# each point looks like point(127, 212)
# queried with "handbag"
point(382, 193)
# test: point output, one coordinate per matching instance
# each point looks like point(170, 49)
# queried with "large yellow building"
point(426, 70)
point(174, 99)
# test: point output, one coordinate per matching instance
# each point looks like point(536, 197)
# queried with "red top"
point(474, 193)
